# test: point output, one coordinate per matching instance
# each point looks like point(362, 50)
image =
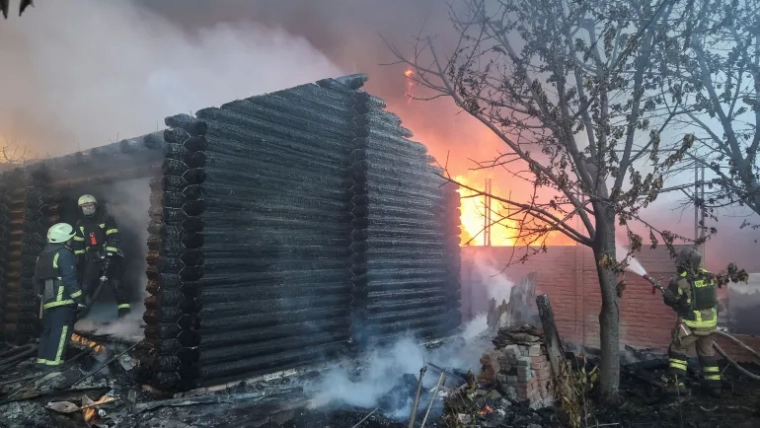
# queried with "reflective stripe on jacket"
point(57, 263)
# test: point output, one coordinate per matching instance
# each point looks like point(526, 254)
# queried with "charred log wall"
point(405, 243)
point(272, 231)
point(287, 227)
point(27, 213)
point(30, 199)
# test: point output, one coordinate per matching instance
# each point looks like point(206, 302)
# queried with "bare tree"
point(570, 87)
point(11, 152)
point(714, 85)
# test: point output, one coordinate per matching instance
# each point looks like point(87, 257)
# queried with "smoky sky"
point(82, 73)
point(349, 33)
point(352, 34)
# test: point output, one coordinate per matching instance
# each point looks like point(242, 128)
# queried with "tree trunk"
point(609, 317)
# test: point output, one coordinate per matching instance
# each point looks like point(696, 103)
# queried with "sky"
point(83, 73)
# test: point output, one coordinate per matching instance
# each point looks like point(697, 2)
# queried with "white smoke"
point(383, 368)
point(81, 73)
point(128, 202)
point(493, 277)
point(483, 279)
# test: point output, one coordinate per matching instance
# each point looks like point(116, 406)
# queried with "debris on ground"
point(510, 389)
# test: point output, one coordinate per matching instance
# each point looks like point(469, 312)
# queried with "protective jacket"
point(97, 233)
point(55, 277)
point(696, 300)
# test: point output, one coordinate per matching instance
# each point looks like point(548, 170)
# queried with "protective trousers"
point(93, 270)
point(679, 348)
point(57, 326)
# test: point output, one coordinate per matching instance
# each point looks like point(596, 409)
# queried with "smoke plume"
point(382, 370)
point(128, 202)
point(81, 73)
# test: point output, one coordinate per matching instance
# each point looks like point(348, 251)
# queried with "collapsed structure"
point(519, 366)
point(284, 229)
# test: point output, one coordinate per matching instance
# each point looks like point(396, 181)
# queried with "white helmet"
point(87, 199)
point(90, 201)
point(60, 233)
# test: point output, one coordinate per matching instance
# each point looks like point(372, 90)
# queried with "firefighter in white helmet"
point(57, 285)
point(96, 243)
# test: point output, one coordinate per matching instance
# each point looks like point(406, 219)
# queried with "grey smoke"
point(128, 202)
point(81, 73)
point(381, 370)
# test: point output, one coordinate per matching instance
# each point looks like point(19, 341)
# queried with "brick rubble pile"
point(519, 366)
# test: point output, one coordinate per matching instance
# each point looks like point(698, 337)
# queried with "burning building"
point(284, 229)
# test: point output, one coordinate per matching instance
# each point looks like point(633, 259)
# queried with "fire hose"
point(92, 298)
point(657, 286)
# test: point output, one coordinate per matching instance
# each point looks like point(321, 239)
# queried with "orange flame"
point(503, 231)
point(456, 145)
point(486, 411)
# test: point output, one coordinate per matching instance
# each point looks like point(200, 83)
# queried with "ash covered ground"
point(342, 396)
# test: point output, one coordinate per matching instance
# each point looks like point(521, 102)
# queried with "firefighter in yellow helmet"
point(96, 243)
point(692, 294)
point(56, 282)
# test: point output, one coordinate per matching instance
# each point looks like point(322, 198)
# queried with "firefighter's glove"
point(670, 298)
point(80, 309)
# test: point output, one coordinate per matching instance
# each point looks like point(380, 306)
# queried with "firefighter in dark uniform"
point(55, 278)
point(96, 243)
point(693, 295)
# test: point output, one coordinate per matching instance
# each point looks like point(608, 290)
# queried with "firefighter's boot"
point(676, 386)
point(711, 376)
point(713, 387)
point(124, 310)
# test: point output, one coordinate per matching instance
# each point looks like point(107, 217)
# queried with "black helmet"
point(689, 259)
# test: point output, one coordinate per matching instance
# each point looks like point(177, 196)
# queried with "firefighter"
point(96, 243)
point(692, 294)
point(55, 278)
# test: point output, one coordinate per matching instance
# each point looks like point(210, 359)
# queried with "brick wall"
point(568, 275)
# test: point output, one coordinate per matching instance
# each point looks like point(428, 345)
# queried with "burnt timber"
point(285, 229)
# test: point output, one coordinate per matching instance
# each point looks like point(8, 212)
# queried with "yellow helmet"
point(60, 233)
point(87, 199)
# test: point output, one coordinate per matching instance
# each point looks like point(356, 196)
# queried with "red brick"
point(568, 275)
point(537, 360)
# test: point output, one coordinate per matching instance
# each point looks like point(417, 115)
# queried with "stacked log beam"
point(30, 213)
point(175, 258)
point(450, 221)
point(274, 290)
point(403, 275)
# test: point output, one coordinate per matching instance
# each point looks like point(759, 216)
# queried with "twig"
point(365, 418)
point(416, 404)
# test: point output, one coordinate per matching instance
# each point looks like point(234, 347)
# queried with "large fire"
point(503, 231)
point(473, 142)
